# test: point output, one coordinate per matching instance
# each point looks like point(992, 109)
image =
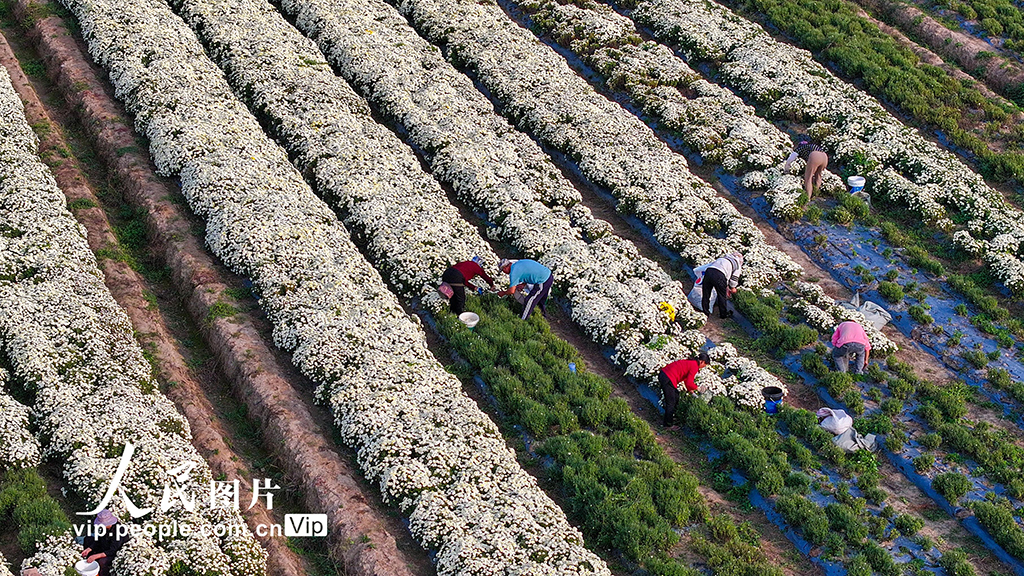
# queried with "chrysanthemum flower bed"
point(858, 132)
point(388, 394)
point(72, 350)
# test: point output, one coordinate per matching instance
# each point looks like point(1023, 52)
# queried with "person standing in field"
point(457, 276)
point(523, 272)
point(850, 345)
point(816, 159)
point(669, 378)
point(722, 276)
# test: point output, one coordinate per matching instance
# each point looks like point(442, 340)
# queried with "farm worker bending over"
point(102, 549)
point(722, 276)
point(849, 341)
point(522, 272)
point(670, 377)
point(816, 159)
point(457, 276)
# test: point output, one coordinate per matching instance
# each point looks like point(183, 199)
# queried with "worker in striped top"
point(817, 162)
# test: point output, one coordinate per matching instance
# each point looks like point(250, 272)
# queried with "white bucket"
point(856, 183)
point(470, 319)
point(86, 568)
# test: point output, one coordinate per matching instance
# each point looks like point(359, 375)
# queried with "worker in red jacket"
point(457, 276)
point(670, 376)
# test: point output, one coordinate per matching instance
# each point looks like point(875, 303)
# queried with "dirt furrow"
point(974, 54)
point(127, 287)
point(366, 541)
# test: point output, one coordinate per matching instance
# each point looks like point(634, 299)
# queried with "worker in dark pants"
point(721, 276)
point(670, 376)
point(457, 276)
point(523, 272)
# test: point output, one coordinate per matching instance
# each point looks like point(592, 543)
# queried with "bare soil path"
point(364, 539)
point(137, 297)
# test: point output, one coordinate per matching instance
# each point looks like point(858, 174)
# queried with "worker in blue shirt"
point(523, 272)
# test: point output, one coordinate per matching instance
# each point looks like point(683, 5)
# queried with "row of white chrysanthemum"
point(611, 147)
point(428, 447)
point(18, 447)
point(74, 349)
point(714, 121)
point(711, 120)
point(607, 281)
point(411, 229)
point(852, 125)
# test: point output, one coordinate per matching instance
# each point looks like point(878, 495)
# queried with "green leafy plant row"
point(617, 482)
point(997, 518)
point(999, 18)
point(777, 337)
point(833, 31)
point(24, 501)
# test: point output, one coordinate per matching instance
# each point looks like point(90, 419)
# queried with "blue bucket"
point(772, 398)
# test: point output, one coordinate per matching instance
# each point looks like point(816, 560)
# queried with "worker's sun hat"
point(106, 518)
point(506, 262)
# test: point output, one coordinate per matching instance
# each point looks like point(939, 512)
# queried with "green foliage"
point(805, 516)
point(952, 485)
point(777, 337)
point(840, 215)
point(918, 257)
point(220, 310)
point(814, 214)
point(617, 481)
point(975, 358)
point(80, 204)
point(955, 562)
point(24, 501)
point(837, 34)
point(880, 560)
point(919, 314)
point(901, 388)
point(891, 291)
point(997, 518)
point(931, 441)
point(923, 462)
point(908, 525)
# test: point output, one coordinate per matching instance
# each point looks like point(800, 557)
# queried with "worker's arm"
point(793, 156)
point(511, 290)
point(96, 557)
point(85, 553)
point(734, 279)
point(691, 386)
point(488, 279)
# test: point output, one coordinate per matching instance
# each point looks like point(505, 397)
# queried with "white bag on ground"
point(851, 441)
point(696, 295)
point(874, 313)
point(836, 421)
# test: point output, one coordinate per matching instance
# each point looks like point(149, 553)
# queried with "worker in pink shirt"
point(851, 342)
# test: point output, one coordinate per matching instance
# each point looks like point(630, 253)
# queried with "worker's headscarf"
point(106, 518)
point(739, 257)
point(505, 262)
